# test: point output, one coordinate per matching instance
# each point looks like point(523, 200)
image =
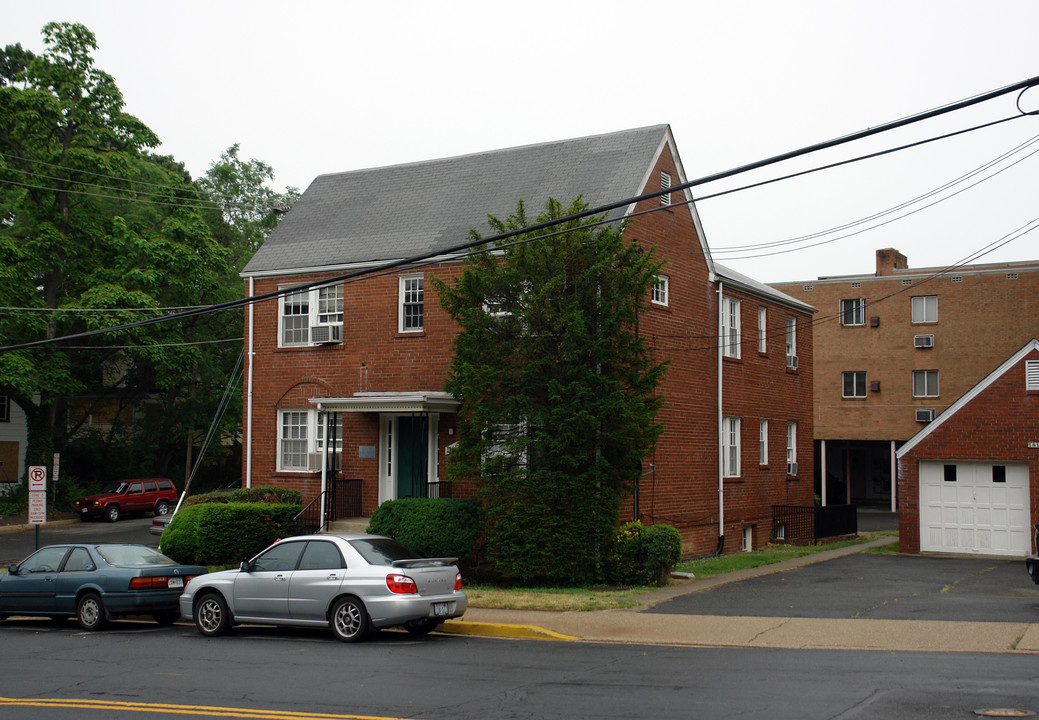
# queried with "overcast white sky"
point(319, 87)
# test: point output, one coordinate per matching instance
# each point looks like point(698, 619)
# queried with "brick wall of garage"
point(995, 426)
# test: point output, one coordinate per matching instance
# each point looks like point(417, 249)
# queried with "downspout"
point(721, 420)
point(249, 394)
point(324, 466)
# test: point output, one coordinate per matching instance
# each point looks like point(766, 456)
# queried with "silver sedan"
point(352, 584)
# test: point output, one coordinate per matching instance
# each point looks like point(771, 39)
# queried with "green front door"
point(413, 440)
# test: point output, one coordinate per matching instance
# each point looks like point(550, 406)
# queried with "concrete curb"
point(503, 630)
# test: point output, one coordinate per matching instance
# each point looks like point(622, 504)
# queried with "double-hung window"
point(762, 329)
point(730, 327)
point(925, 383)
point(791, 337)
point(411, 306)
point(791, 444)
point(659, 290)
point(306, 316)
point(763, 442)
point(293, 439)
point(924, 309)
point(301, 432)
point(853, 384)
point(853, 311)
point(731, 447)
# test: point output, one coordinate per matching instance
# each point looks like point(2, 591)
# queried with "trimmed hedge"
point(258, 494)
point(643, 555)
point(438, 527)
point(227, 533)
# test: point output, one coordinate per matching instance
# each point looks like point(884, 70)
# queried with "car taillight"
point(161, 581)
point(401, 584)
point(458, 581)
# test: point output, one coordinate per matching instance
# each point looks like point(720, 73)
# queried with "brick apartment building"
point(969, 481)
point(371, 353)
point(895, 349)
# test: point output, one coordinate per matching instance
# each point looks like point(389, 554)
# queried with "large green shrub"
point(227, 533)
point(643, 555)
point(439, 527)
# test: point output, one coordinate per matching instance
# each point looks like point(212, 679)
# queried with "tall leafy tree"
point(98, 233)
point(558, 390)
point(248, 205)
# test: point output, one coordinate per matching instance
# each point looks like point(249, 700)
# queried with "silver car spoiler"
point(420, 562)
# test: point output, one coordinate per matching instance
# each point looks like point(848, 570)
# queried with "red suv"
point(144, 495)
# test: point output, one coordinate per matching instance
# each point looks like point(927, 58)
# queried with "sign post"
point(37, 498)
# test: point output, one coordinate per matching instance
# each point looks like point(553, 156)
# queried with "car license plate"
point(441, 608)
point(85, 509)
point(175, 582)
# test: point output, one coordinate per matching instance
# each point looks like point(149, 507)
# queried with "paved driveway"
point(883, 587)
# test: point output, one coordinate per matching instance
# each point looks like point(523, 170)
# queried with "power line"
point(600, 210)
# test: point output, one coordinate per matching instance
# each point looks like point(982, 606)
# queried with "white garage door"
point(973, 507)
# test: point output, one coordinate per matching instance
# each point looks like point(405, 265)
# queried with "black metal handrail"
point(310, 516)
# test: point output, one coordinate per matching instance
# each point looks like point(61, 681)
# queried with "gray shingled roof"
point(401, 211)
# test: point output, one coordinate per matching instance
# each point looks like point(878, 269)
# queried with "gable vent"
point(665, 183)
point(1032, 375)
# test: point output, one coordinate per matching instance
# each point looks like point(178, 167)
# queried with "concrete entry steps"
point(349, 525)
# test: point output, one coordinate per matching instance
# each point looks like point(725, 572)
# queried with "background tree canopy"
point(97, 231)
point(557, 389)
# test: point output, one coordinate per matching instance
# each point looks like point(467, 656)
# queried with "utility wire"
point(600, 210)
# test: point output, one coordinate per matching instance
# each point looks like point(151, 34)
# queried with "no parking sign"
point(37, 495)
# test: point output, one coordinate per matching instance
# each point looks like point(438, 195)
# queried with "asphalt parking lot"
point(880, 587)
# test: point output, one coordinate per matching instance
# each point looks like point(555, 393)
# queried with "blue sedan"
point(95, 583)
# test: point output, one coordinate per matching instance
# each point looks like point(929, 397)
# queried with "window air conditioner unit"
point(923, 341)
point(791, 469)
point(924, 415)
point(791, 362)
point(326, 334)
point(317, 460)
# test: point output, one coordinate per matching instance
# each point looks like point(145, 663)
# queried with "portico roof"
point(418, 401)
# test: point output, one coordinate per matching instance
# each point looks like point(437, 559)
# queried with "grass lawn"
point(583, 599)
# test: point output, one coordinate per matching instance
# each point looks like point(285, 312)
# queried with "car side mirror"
point(13, 570)
point(246, 566)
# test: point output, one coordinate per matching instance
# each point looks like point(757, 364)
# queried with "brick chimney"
point(889, 260)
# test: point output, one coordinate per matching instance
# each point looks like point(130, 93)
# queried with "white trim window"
point(791, 336)
point(791, 443)
point(411, 304)
point(665, 183)
point(300, 433)
point(659, 293)
point(853, 384)
point(853, 311)
point(925, 383)
point(730, 327)
point(731, 447)
point(924, 309)
point(293, 439)
point(762, 329)
point(304, 309)
point(763, 442)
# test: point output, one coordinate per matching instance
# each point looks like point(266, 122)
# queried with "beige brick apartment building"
point(896, 348)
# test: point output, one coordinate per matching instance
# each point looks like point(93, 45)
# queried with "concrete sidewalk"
point(637, 627)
